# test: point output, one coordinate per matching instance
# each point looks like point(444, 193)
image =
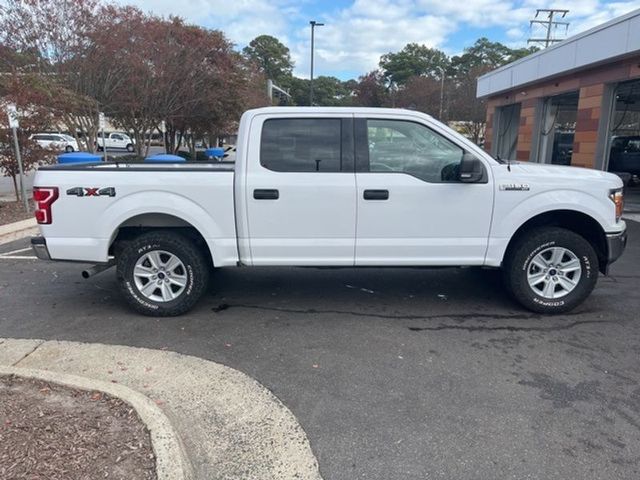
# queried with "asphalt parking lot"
point(393, 373)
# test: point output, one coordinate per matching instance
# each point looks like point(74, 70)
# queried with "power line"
point(549, 24)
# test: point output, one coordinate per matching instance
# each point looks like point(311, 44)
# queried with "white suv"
point(115, 140)
point(56, 141)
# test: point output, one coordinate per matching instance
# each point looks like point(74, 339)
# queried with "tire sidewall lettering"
point(535, 251)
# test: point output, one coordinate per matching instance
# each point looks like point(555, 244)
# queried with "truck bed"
point(90, 208)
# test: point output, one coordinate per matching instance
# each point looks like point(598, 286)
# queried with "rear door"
point(300, 190)
point(412, 209)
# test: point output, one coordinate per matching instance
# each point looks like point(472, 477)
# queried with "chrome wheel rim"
point(554, 272)
point(160, 276)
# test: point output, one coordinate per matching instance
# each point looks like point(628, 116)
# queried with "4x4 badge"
point(92, 192)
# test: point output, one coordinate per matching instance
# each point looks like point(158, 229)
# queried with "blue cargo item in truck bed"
point(79, 157)
point(164, 157)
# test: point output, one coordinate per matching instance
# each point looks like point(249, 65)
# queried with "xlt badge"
point(515, 187)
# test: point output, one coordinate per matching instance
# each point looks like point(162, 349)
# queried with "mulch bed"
point(14, 212)
point(52, 432)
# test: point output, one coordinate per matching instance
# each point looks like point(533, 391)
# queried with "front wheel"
point(162, 273)
point(129, 148)
point(551, 270)
point(68, 149)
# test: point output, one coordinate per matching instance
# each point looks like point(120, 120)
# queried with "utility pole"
point(12, 113)
point(280, 93)
point(313, 24)
point(549, 24)
point(442, 75)
point(101, 123)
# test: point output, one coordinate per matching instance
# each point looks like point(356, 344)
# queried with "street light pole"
point(313, 24)
point(441, 91)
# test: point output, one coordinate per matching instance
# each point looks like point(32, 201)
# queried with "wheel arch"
point(578, 222)
point(150, 221)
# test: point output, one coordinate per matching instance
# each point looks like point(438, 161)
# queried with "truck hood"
point(557, 175)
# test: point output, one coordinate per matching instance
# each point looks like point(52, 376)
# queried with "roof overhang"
point(608, 42)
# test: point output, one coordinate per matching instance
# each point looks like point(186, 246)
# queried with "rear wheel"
point(551, 270)
point(129, 148)
point(162, 273)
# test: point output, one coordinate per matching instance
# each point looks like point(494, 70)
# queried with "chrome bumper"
point(39, 247)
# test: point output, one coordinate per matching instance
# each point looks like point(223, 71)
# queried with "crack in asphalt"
point(508, 328)
point(313, 311)
point(453, 316)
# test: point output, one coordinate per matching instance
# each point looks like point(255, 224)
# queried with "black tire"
point(195, 263)
point(68, 149)
point(99, 148)
point(130, 148)
point(519, 259)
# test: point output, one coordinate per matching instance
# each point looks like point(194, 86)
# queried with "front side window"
point(117, 137)
point(409, 147)
point(301, 145)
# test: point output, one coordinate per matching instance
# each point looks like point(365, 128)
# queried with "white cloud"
point(354, 37)
point(241, 20)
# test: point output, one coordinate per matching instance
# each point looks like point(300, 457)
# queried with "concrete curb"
point(171, 461)
point(230, 425)
point(18, 230)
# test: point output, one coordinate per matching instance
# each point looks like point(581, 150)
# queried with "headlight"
point(617, 197)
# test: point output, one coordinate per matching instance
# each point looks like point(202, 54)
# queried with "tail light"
point(44, 198)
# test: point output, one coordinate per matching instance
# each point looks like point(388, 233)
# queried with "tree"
point(52, 35)
point(370, 90)
point(32, 119)
point(413, 60)
point(420, 93)
point(482, 57)
point(271, 56)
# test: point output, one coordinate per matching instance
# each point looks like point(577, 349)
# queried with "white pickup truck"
point(334, 187)
point(116, 140)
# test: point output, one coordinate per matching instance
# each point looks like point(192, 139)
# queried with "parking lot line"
point(16, 251)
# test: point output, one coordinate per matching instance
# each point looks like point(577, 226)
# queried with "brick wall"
point(586, 136)
point(525, 130)
point(591, 85)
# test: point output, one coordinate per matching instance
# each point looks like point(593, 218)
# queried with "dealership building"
point(574, 103)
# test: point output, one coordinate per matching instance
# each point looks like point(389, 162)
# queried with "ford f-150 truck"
point(349, 187)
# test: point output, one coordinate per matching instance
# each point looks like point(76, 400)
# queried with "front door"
point(412, 209)
point(300, 191)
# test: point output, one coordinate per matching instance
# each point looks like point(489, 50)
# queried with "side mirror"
point(471, 169)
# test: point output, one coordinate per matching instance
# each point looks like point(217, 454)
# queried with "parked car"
point(56, 141)
point(624, 156)
point(316, 186)
point(115, 140)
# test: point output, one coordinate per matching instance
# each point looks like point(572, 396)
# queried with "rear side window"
point(301, 145)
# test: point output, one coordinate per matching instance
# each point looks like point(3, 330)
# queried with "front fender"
point(511, 213)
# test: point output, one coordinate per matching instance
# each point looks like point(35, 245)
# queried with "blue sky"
point(357, 32)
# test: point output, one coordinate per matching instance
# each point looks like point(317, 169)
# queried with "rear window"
point(301, 145)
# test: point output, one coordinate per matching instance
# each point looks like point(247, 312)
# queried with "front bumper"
point(616, 243)
point(39, 247)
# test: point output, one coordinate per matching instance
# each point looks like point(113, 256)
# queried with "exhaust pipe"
point(101, 267)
